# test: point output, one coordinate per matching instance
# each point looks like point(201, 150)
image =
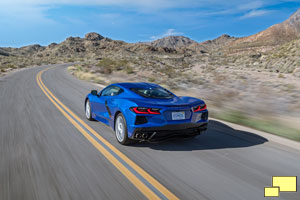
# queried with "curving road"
point(45, 154)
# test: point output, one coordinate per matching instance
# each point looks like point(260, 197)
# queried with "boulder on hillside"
point(52, 45)
point(93, 36)
point(33, 48)
point(3, 53)
point(73, 39)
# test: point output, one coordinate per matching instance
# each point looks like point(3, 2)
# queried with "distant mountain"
point(276, 34)
point(173, 42)
point(93, 44)
point(181, 42)
point(218, 42)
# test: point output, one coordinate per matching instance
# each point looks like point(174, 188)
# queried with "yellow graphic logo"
point(281, 184)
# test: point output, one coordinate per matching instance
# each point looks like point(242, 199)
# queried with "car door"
point(106, 102)
point(96, 102)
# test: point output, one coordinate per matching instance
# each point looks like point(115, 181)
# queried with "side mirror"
point(94, 92)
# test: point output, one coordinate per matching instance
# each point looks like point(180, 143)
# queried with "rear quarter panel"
point(122, 105)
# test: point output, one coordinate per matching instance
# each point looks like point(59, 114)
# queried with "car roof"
point(136, 85)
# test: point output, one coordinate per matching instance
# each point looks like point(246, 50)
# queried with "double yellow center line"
point(143, 181)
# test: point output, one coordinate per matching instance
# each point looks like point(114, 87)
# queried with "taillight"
point(199, 108)
point(154, 111)
point(142, 110)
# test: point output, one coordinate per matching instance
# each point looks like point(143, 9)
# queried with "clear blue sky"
point(26, 22)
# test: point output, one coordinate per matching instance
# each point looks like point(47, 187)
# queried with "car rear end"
point(159, 122)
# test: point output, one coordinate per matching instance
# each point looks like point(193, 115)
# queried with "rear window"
point(159, 93)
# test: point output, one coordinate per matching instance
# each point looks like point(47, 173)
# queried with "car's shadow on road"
point(218, 136)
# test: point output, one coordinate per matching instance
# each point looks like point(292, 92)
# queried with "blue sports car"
point(146, 112)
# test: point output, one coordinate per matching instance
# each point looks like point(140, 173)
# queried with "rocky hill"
point(219, 42)
point(181, 42)
point(276, 34)
point(173, 42)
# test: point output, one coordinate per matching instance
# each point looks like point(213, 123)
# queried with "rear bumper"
point(153, 134)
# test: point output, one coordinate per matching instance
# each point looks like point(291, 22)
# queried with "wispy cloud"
point(251, 5)
point(169, 32)
point(37, 8)
point(27, 10)
point(24, 15)
point(256, 13)
point(135, 4)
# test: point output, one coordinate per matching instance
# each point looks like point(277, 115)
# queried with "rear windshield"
point(159, 93)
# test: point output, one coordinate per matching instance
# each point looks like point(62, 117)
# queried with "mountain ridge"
point(176, 50)
point(274, 35)
point(277, 33)
point(172, 42)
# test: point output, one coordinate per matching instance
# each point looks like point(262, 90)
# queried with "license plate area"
point(178, 115)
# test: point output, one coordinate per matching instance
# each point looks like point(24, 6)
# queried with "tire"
point(88, 111)
point(121, 131)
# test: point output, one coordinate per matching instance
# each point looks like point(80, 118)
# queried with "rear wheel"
point(121, 130)
point(88, 110)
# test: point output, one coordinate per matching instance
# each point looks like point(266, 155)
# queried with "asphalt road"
point(44, 156)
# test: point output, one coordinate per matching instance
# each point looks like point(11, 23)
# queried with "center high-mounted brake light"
point(142, 110)
point(199, 108)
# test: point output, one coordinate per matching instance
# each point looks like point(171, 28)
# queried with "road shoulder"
point(268, 136)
